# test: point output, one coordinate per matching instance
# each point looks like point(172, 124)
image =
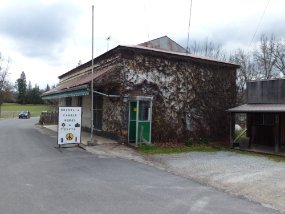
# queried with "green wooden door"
point(144, 121)
point(140, 121)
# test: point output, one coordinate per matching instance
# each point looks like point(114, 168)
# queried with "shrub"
point(189, 142)
point(198, 140)
point(202, 140)
point(48, 118)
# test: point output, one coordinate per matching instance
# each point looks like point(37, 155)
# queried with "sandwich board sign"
point(69, 125)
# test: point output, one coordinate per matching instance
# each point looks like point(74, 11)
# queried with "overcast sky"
point(46, 38)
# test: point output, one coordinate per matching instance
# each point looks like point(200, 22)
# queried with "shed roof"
point(80, 80)
point(251, 108)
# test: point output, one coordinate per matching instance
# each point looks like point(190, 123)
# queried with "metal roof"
point(82, 90)
point(155, 50)
point(78, 81)
point(247, 108)
point(191, 56)
point(164, 43)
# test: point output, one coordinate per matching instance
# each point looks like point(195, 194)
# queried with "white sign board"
point(69, 125)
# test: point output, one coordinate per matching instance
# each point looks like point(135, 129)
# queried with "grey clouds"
point(37, 29)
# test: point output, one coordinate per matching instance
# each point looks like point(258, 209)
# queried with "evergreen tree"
point(36, 95)
point(29, 93)
point(22, 88)
point(47, 88)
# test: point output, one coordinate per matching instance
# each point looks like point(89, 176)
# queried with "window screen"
point(265, 119)
point(79, 101)
point(144, 110)
point(68, 101)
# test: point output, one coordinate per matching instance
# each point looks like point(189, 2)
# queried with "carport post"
point(232, 129)
point(276, 133)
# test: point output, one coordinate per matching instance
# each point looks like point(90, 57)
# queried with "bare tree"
point(5, 86)
point(265, 57)
point(208, 49)
point(279, 54)
point(247, 71)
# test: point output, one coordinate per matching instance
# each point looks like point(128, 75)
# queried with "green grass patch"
point(152, 149)
point(276, 158)
point(11, 110)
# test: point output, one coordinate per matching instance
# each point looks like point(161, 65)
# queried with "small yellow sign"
point(69, 136)
point(135, 109)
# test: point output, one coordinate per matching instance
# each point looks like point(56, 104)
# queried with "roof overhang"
point(78, 86)
point(251, 108)
point(82, 90)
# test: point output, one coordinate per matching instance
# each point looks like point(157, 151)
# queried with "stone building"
point(181, 94)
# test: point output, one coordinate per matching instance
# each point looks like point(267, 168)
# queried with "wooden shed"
point(265, 114)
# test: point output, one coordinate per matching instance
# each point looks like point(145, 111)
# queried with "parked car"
point(24, 115)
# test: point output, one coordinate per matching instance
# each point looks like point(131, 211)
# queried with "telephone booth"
point(140, 113)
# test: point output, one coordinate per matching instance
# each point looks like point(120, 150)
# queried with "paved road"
point(35, 177)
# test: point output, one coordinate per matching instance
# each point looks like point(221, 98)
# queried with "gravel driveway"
point(256, 178)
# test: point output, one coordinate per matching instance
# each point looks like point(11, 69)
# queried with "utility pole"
point(108, 39)
point(92, 71)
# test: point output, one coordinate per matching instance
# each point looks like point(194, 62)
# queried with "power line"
point(190, 13)
point(260, 20)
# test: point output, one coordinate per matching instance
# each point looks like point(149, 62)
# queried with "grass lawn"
point(10, 110)
point(152, 149)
